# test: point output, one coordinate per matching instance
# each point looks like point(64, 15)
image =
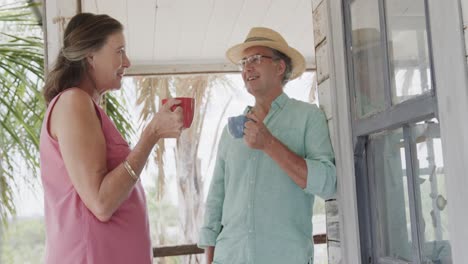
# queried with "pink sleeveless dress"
point(73, 233)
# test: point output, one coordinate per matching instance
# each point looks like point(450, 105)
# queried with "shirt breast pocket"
point(293, 138)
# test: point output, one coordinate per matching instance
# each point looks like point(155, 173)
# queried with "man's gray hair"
point(288, 71)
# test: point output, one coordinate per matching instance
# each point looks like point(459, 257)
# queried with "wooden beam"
point(190, 249)
point(177, 250)
point(138, 69)
point(320, 239)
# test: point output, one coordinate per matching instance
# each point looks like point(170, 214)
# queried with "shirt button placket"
point(250, 206)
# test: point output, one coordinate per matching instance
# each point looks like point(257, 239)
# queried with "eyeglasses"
point(255, 59)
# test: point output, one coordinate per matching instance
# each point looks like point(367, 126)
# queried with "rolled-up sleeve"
point(319, 157)
point(214, 201)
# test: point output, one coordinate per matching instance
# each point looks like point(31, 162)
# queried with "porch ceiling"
point(177, 36)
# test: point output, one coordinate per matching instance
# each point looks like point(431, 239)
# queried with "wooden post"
point(57, 13)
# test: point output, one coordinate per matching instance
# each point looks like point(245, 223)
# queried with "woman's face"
point(108, 64)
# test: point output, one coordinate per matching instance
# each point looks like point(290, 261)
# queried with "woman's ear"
point(90, 59)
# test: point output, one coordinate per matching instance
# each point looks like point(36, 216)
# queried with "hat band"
point(257, 39)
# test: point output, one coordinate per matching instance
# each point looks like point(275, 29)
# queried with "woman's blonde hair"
point(84, 33)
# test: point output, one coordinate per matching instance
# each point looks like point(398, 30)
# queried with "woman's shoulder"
point(73, 102)
point(74, 98)
point(75, 93)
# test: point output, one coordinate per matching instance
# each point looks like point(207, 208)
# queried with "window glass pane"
point(408, 49)
point(432, 196)
point(387, 167)
point(367, 57)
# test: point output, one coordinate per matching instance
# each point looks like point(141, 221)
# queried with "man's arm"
point(209, 253)
point(257, 136)
point(214, 204)
point(294, 165)
point(316, 172)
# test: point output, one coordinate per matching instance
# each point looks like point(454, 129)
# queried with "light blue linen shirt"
point(254, 212)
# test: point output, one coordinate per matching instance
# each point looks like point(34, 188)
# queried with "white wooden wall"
point(57, 13)
point(342, 223)
point(464, 7)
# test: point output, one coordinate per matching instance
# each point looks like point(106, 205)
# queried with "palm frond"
point(18, 13)
point(118, 112)
point(189, 175)
point(150, 91)
point(21, 104)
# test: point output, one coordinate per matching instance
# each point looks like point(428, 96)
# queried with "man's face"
point(261, 73)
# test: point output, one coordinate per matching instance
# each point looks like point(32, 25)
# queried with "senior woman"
point(95, 206)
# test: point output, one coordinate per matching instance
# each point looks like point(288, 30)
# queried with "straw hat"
point(260, 36)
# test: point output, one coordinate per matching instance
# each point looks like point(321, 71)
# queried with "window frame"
point(399, 115)
point(450, 70)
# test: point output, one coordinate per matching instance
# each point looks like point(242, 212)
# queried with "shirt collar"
point(279, 102)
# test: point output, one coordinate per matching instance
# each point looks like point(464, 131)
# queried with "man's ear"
point(281, 67)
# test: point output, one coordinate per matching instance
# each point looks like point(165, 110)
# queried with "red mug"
point(188, 106)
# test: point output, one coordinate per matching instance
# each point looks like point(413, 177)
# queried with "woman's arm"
point(77, 128)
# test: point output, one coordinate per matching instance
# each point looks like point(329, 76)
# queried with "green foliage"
point(163, 217)
point(21, 103)
point(115, 107)
point(23, 242)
